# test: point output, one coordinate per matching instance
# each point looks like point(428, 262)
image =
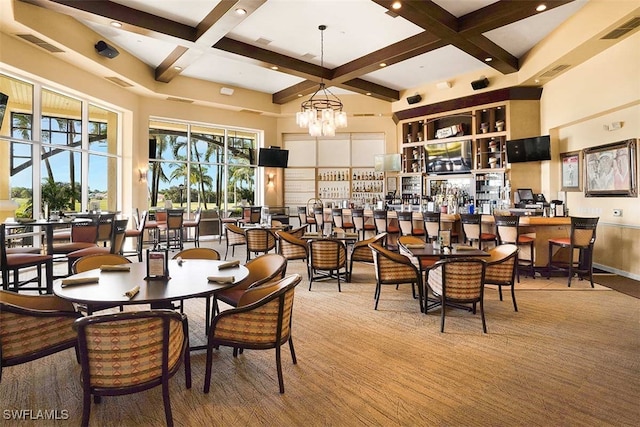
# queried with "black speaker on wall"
point(152, 148)
point(414, 99)
point(105, 49)
point(480, 84)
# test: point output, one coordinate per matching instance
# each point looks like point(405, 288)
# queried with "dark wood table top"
point(186, 281)
point(458, 251)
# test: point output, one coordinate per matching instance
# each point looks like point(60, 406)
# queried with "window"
point(220, 163)
point(69, 147)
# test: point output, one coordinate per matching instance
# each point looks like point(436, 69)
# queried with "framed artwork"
point(610, 170)
point(570, 164)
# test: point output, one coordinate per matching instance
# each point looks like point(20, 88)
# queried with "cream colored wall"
point(574, 108)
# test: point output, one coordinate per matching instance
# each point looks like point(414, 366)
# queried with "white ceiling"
point(355, 28)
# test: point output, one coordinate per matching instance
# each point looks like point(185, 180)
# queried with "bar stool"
point(405, 222)
point(304, 217)
point(382, 226)
point(338, 219)
point(226, 220)
point(582, 238)
point(360, 224)
point(431, 225)
point(318, 215)
point(472, 227)
point(508, 231)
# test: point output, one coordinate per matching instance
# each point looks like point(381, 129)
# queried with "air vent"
point(391, 13)
point(308, 56)
point(555, 70)
point(186, 101)
point(623, 29)
point(119, 81)
point(250, 111)
point(40, 43)
point(263, 41)
point(364, 115)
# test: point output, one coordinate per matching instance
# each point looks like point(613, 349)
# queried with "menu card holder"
point(157, 264)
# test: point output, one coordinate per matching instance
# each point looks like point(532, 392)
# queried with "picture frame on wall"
point(610, 170)
point(571, 176)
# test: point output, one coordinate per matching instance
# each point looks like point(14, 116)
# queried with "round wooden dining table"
point(187, 280)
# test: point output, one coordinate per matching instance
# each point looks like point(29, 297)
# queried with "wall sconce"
point(270, 182)
point(142, 175)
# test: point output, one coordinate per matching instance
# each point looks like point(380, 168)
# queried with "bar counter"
point(544, 228)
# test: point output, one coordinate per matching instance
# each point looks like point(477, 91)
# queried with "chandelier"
point(322, 113)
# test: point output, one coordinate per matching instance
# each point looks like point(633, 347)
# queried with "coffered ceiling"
point(275, 46)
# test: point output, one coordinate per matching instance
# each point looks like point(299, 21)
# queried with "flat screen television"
point(529, 149)
point(387, 162)
point(448, 157)
point(4, 99)
point(273, 157)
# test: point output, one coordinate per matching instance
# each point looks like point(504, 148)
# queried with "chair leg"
point(86, 408)
point(513, 297)
point(377, 295)
point(167, 402)
point(484, 323)
point(293, 352)
point(442, 318)
point(279, 367)
point(207, 373)
point(500, 291)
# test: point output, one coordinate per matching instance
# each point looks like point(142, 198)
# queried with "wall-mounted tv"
point(529, 149)
point(387, 162)
point(273, 157)
point(4, 99)
point(449, 157)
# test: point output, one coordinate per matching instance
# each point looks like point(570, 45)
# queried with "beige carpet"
point(569, 357)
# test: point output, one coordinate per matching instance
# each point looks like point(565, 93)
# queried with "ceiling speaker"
point(106, 50)
point(480, 84)
point(414, 99)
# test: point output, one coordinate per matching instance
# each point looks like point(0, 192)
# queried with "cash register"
point(529, 203)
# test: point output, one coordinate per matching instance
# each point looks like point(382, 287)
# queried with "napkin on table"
point(229, 264)
point(221, 279)
point(414, 245)
point(132, 292)
point(79, 281)
point(115, 268)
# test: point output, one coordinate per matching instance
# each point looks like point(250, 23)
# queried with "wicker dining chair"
point(501, 269)
point(327, 257)
point(393, 269)
point(261, 321)
point(259, 240)
point(130, 352)
point(361, 252)
point(34, 326)
point(234, 236)
point(458, 281)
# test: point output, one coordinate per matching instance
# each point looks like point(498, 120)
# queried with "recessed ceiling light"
point(368, 93)
point(116, 24)
point(274, 67)
point(537, 80)
point(241, 11)
point(299, 95)
point(488, 59)
point(396, 5)
point(177, 68)
point(541, 7)
point(383, 64)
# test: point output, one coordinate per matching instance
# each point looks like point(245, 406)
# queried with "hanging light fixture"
point(322, 113)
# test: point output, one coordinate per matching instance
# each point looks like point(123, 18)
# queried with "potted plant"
point(57, 196)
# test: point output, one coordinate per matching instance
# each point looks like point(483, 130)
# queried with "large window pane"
point(206, 186)
point(241, 185)
point(101, 171)
point(242, 148)
point(170, 140)
point(61, 172)
point(22, 179)
point(164, 183)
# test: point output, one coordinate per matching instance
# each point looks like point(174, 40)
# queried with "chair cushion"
point(190, 224)
point(132, 233)
point(230, 296)
point(21, 259)
point(525, 239)
point(561, 241)
point(393, 229)
point(487, 236)
point(71, 247)
point(24, 250)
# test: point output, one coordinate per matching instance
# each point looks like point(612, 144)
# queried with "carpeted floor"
point(618, 283)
